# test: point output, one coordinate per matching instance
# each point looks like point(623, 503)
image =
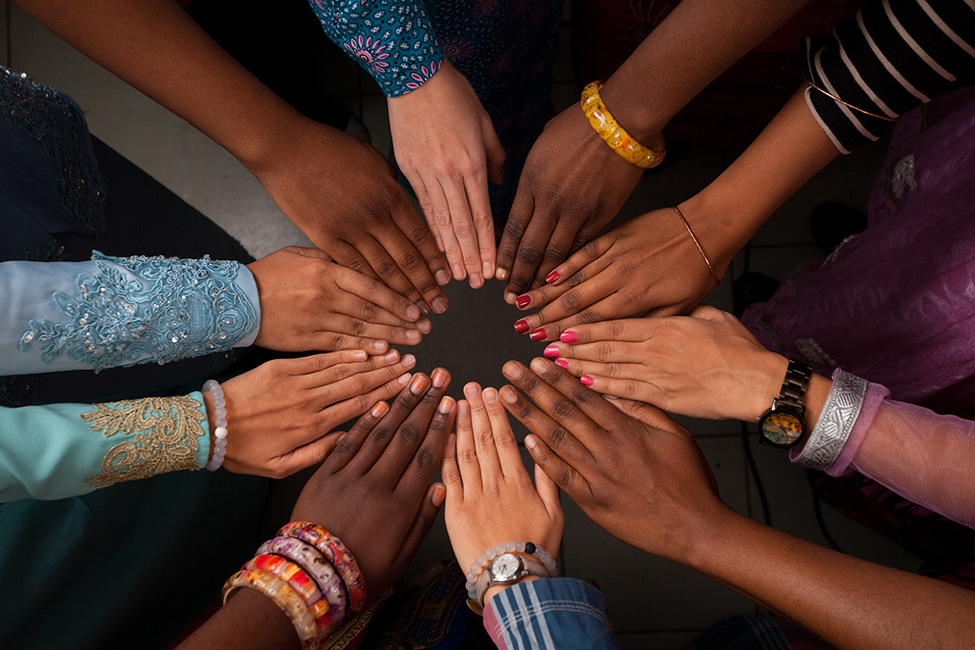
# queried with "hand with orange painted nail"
point(645, 264)
point(490, 497)
point(706, 365)
point(373, 491)
point(315, 393)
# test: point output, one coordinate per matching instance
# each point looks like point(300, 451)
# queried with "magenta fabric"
point(896, 303)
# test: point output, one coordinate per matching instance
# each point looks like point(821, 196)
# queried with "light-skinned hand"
point(308, 302)
point(633, 470)
point(706, 365)
point(571, 186)
point(373, 491)
point(490, 497)
point(279, 414)
point(446, 146)
point(342, 193)
point(646, 263)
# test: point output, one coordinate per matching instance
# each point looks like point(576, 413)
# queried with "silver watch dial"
point(506, 566)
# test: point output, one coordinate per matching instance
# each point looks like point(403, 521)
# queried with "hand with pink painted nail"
point(374, 491)
point(706, 365)
point(645, 264)
point(280, 414)
point(490, 497)
point(308, 302)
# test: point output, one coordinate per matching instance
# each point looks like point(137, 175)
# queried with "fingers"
point(487, 455)
point(390, 307)
point(505, 443)
point(425, 518)
point(351, 442)
point(557, 249)
point(514, 229)
point(307, 455)
point(547, 490)
point(630, 330)
point(483, 219)
point(463, 223)
point(449, 472)
point(416, 469)
point(467, 461)
point(531, 248)
point(354, 380)
point(590, 302)
point(418, 257)
point(563, 474)
point(441, 216)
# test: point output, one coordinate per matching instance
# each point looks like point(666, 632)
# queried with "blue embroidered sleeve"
point(392, 40)
point(550, 614)
point(121, 311)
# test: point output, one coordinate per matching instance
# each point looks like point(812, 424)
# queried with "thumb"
point(494, 151)
point(547, 490)
point(425, 518)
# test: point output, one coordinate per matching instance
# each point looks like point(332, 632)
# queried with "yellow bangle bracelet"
point(615, 135)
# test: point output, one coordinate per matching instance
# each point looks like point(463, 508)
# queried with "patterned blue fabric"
point(392, 40)
point(120, 311)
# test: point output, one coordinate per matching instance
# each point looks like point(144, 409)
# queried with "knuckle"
point(381, 434)
point(604, 351)
point(571, 301)
point(515, 229)
point(581, 395)
point(358, 326)
point(359, 404)
point(386, 267)
point(468, 456)
point(575, 279)
point(346, 447)
point(588, 317)
point(563, 477)
point(463, 228)
point(425, 459)
point(617, 330)
point(557, 436)
point(525, 410)
point(530, 254)
point(562, 408)
point(450, 475)
point(486, 438)
point(505, 439)
point(555, 254)
point(409, 433)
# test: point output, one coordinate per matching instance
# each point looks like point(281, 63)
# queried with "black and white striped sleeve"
point(893, 56)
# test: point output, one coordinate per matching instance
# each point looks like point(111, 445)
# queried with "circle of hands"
point(595, 428)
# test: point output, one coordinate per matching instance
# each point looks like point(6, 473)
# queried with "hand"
point(646, 263)
point(571, 186)
point(279, 414)
point(704, 366)
point(308, 302)
point(447, 148)
point(490, 498)
point(343, 195)
point(633, 470)
point(373, 492)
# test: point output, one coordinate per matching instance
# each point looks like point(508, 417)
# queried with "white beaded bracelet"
point(519, 547)
point(220, 420)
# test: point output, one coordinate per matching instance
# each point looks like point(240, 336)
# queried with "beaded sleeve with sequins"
point(141, 309)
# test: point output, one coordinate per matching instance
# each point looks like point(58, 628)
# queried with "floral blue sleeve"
point(121, 311)
point(392, 40)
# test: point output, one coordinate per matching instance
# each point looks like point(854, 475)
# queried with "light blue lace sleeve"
point(393, 40)
point(121, 311)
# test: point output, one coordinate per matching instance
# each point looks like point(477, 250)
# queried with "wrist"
point(720, 225)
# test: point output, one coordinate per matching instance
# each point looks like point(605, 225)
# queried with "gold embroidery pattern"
point(166, 431)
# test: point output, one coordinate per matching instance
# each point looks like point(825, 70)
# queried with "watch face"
point(506, 566)
point(781, 428)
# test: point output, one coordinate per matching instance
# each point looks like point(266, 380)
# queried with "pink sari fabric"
point(896, 303)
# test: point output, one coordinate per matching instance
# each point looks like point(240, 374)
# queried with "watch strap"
point(529, 566)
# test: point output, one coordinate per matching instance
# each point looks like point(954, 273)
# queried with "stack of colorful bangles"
point(310, 575)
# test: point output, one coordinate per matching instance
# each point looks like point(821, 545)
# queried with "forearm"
point(792, 149)
point(849, 602)
point(156, 47)
point(697, 42)
point(249, 620)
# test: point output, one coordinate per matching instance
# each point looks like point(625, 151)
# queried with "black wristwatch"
point(784, 423)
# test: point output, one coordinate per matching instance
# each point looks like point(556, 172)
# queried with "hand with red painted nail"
point(490, 497)
point(706, 365)
point(637, 473)
point(447, 148)
point(648, 263)
point(373, 491)
point(571, 186)
point(308, 302)
point(316, 393)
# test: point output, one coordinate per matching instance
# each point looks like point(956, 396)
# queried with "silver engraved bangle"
point(835, 423)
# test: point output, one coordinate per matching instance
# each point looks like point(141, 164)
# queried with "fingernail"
point(562, 363)
point(476, 281)
point(569, 337)
point(522, 326)
point(379, 346)
point(379, 409)
point(488, 269)
point(510, 297)
point(458, 271)
point(409, 361)
point(530, 442)
point(501, 274)
point(440, 377)
point(442, 277)
point(360, 355)
point(508, 395)
point(538, 334)
point(523, 301)
point(552, 277)
point(424, 325)
point(439, 305)
point(490, 395)
point(537, 365)
point(552, 352)
point(413, 312)
point(446, 403)
point(404, 378)
point(439, 494)
point(423, 307)
point(586, 380)
point(419, 385)
point(413, 335)
point(472, 390)
point(391, 356)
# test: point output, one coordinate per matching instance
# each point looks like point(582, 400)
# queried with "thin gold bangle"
point(848, 105)
point(698, 244)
